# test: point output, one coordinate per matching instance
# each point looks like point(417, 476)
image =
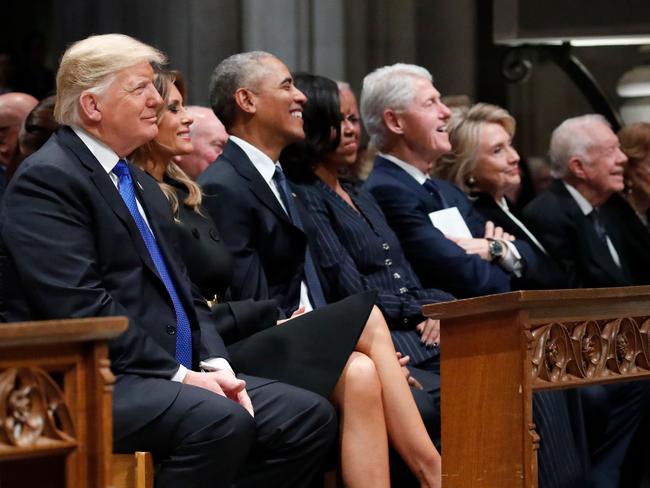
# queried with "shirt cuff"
point(180, 374)
point(216, 364)
point(512, 262)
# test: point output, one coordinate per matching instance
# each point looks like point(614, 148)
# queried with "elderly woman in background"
point(635, 143)
point(342, 351)
point(483, 163)
point(632, 207)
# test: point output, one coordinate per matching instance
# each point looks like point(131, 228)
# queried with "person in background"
point(14, 108)
point(37, 129)
point(209, 137)
point(483, 163)
point(635, 143)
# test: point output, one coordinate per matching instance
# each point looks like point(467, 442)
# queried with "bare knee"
point(361, 376)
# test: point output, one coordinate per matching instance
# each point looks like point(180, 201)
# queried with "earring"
point(470, 181)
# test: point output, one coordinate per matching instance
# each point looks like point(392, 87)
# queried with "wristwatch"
point(495, 248)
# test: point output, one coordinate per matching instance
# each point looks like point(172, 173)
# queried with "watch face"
point(496, 249)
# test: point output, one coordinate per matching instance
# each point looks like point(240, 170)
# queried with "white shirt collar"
point(264, 164)
point(582, 202)
point(104, 154)
point(419, 176)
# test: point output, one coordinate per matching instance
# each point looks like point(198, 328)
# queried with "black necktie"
point(599, 227)
point(311, 277)
point(432, 188)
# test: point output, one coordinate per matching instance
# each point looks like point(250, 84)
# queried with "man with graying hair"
point(209, 137)
point(88, 234)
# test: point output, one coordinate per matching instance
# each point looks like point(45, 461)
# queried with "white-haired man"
point(406, 120)
point(89, 234)
point(588, 163)
point(571, 221)
point(209, 137)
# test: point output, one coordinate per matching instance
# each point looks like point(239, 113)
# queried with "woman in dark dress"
point(342, 351)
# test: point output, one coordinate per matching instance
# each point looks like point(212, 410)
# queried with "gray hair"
point(389, 87)
point(237, 71)
point(91, 65)
point(572, 138)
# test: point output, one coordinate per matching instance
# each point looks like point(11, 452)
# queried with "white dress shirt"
point(108, 159)
point(266, 168)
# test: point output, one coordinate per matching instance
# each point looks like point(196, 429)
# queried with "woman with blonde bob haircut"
point(464, 129)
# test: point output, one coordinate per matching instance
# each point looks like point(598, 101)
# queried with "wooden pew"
point(55, 402)
point(496, 350)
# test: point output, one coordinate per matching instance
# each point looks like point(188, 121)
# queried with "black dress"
point(309, 351)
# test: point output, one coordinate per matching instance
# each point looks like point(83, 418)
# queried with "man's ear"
point(576, 167)
point(393, 121)
point(91, 106)
point(246, 100)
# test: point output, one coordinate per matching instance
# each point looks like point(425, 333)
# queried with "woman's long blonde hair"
point(144, 155)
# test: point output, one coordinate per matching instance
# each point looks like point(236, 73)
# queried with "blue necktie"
point(183, 332)
point(431, 187)
point(311, 277)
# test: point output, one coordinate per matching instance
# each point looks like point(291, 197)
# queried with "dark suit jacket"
point(269, 251)
point(545, 272)
point(438, 261)
point(569, 236)
point(76, 252)
point(634, 237)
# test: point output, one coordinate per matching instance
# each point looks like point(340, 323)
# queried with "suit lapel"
point(108, 191)
point(259, 188)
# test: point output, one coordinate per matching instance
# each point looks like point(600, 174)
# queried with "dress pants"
point(613, 415)
point(204, 439)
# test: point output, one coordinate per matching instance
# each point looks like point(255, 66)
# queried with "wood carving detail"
point(563, 352)
point(32, 409)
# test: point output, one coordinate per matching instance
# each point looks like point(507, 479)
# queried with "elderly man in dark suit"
point(570, 218)
point(403, 114)
point(88, 234)
point(406, 120)
point(574, 223)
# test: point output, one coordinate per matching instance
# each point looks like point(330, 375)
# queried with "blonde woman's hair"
point(464, 129)
point(91, 65)
point(144, 155)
